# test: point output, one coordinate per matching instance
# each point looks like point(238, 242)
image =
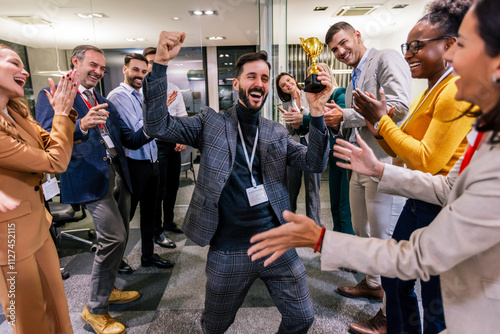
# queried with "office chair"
point(67, 213)
point(187, 160)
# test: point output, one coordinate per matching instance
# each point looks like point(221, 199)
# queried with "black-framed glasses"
point(416, 45)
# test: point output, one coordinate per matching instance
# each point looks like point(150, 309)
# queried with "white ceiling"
point(238, 21)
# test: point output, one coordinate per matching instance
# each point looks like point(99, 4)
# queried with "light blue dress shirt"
point(128, 102)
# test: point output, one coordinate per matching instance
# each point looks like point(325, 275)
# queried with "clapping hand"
point(62, 98)
point(367, 105)
point(333, 114)
point(292, 117)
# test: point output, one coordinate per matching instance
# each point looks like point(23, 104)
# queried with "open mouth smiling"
point(20, 81)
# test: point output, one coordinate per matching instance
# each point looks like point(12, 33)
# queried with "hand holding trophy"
point(313, 47)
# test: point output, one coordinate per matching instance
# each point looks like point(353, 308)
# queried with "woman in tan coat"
point(31, 287)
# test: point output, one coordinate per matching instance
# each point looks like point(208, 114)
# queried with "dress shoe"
point(125, 268)
point(375, 325)
point(172, 227)
point(122, 297)
point(65, 274)
point(102, 323)
point(163, 241)
point(362, 290)
point(155, 260)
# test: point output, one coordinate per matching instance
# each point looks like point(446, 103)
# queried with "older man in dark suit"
point(241, 187)
point(98, 177)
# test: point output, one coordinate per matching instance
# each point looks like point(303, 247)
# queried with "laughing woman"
point(462, 244)
point(31, 287)
point(431, 140)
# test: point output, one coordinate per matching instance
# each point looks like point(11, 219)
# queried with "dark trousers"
point(403, 316)
point(339, 197)
point(230, 274)
point(145, 176)
point(312, 182)
point(170, 170)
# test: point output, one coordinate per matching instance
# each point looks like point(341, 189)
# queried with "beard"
point(243, 96)
point(132, 83)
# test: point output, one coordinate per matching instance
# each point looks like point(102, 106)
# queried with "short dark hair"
point(342, 25)
point(285, 97)
point(137, 56)
point(149, 51)
point(247, 58)
point(79, 52)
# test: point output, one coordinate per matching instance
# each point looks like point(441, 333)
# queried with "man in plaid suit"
point(241, 189)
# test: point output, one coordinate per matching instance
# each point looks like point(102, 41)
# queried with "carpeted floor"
point(172, 300)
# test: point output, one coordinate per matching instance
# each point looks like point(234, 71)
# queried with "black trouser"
point(170, 170)
point(145, 177)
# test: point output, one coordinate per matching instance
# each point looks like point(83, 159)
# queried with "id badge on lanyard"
point(102, 128)
point(255, 194)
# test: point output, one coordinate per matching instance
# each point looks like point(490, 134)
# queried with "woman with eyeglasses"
point(462, 244)
point(431, 140)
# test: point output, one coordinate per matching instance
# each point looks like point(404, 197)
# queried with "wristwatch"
point(375, 126)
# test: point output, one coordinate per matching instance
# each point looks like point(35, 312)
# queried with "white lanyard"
point(426, 96)
point(249, 163)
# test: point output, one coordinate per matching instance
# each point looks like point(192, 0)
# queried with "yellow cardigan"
point(427, 140)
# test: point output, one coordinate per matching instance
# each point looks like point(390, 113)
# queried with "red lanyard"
point(471, 149)
point(89, 105)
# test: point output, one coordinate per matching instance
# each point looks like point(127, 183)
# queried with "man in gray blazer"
point(374, 214)
point(241, 187)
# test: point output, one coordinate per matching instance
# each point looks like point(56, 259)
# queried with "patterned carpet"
point(172, 299)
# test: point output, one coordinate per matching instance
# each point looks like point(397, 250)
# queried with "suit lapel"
point(232, 132)
point(366, 68)
point(264, 138)
point(25, 128)
point(80, 106)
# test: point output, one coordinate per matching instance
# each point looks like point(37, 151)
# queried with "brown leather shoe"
point(122, 297)
point(375, 325)
point(102, 323)
point(361, 290)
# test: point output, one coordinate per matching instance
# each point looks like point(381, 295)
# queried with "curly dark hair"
point(447, 15)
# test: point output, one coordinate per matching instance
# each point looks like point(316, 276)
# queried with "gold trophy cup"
point(313, 47)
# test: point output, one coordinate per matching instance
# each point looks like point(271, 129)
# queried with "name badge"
point(108, 141)
point(256, 195)
point(50, 188)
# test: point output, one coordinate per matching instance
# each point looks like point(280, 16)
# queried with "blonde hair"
point(325, 67)
point(17, 105)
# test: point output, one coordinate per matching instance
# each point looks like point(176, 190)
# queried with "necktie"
point(90, 97)
point(103, 129)
point(354, 78)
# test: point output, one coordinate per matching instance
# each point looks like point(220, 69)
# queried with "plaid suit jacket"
point(215, 135)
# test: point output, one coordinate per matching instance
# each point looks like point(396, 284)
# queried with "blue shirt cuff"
point(158, 71)
point(318, 122)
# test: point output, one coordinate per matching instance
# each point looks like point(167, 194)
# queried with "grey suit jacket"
point(215, 135)
point(462, 244)
point(383, 68)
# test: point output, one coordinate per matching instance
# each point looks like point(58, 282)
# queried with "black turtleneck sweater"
point(238, 221)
